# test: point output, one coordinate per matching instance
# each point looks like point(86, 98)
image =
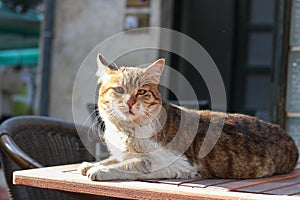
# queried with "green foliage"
point(19, 108)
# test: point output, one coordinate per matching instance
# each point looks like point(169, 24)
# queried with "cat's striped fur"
point(149, 139)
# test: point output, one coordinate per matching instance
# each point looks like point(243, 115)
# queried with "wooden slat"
point(296, 194)
point(264, 188)
point(208, 182)
point(236, 186)
point(288, 190)
point(170, 181)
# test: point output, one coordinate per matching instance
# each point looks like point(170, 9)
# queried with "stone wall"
point(78, 27)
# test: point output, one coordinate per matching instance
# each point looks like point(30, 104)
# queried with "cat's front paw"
point(100, 173)
point(84, 167)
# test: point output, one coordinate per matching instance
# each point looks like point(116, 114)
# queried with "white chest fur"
point(119, 142)
point(115, 140)
point(164, 163)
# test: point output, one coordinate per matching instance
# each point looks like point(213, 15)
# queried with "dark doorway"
point(211, 24)
point(239, 36)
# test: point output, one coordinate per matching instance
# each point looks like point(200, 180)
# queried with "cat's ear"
point(154, 71)
point(102, 63)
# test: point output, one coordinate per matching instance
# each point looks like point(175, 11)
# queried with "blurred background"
point(255, 44)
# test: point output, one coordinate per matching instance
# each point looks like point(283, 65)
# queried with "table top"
point(67, 178)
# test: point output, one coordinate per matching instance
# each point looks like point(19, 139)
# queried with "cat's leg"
point(109, 161)
point(144, 168)
point(127, 169)
point(85, 166)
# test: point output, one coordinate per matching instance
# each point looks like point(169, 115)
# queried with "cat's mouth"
point(130, 112)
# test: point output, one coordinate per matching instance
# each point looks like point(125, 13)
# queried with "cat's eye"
point(119, 90)
point(141, 92)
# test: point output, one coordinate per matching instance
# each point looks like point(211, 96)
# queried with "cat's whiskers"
point(119, 108)
point(96, 127)
point(88, 117)
point(111, 114)
point(149, 119)
point(112, 109)
point(151, 123)
point(155, 118)
point(91, 126)
point(95, 132)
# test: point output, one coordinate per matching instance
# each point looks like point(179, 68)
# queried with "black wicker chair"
point(35, 141)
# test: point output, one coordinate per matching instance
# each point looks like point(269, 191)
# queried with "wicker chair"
point(35, 141)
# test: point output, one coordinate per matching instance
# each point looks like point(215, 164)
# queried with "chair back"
point(35, 141)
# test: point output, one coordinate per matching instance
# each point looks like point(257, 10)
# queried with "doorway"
point(239, 36)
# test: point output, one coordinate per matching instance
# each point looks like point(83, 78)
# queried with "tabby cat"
point(150, 139)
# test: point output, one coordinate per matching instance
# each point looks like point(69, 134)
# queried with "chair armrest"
point(21, 158)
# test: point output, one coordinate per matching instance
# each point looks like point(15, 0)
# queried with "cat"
point(150, 139)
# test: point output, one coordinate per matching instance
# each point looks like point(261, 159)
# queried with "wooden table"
point(66, 178)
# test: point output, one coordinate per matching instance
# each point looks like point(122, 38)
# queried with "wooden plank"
point(208, 182)
point(66, 178)
point(170, 181)
point(296, 194)
point(200, 182)
point(288, 190)
point(237, 185)
point(264, 188)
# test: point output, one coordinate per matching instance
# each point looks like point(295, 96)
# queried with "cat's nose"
point(130, 103)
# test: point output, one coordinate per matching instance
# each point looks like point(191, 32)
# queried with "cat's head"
point(129, 94)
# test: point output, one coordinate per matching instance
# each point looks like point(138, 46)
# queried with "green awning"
point(17, 57)
point(23, 24)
